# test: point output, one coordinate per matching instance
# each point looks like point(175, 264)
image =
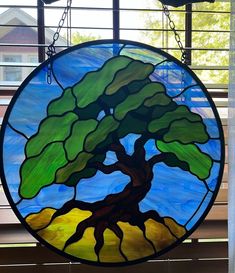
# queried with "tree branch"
point(139, 151)
point(120, 151)
point(107, 169)
point(135, 175)
point(156, 159)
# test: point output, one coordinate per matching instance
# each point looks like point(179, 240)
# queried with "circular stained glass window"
point(119, 159)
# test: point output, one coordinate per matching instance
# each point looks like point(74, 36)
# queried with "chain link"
point(51, 48)
point(177, 36)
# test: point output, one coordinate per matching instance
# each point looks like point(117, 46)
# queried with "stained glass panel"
point(119, 159)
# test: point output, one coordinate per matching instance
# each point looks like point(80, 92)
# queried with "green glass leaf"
point(93, 85)
point(158, 99)
point(186, 132)
point(199, 163)
point(136, 85)
point(74, 178)
point(87, 172)
point(55, 128)
point(65, 103)
point(113, 100)
point(39, 171)
point(106, 126)
point(75, 166)
point(126, 76)
point(178, 113)
point(135, 100)
point(74, 144)
point(51, 129)
point(159, 111)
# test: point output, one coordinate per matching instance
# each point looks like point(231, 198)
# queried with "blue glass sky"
point(177, 198)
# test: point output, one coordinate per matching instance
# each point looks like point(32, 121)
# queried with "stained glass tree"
point(75, 142)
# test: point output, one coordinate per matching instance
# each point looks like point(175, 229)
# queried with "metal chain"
point(177, 36)
point(51, 48)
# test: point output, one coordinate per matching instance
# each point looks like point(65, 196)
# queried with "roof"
point(17, 16)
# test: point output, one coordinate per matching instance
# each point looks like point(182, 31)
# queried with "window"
point(33, 58)
point(203, 28)
point(12, 73)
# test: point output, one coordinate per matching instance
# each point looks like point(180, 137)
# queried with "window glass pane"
point(32, 59)
point(210, 40)
point(17, 27)
point(211, 21)
point(12, 73)
point(92, 18)
point(84, 35)
point(87, 23)
point(12, 58)
point(213, 76)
